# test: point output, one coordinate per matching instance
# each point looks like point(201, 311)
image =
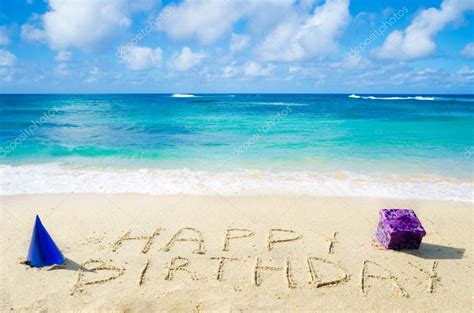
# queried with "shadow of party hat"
point(43, 251)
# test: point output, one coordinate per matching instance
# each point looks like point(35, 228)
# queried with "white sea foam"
point(424, 98)
point(182, 95)
point(421, 98)
point(52, 178)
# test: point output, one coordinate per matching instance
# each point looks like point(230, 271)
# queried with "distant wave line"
point(393, 98)
point(421, 98)
point(182, 95)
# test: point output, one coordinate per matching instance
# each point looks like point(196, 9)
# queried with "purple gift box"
point(399, 229)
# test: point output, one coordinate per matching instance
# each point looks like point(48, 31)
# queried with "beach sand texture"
point(131, 252)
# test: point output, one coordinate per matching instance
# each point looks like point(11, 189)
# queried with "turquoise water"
point(391, 134)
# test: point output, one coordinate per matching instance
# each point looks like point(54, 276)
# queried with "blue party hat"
point(43, 251)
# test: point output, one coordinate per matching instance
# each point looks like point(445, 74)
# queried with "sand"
point(132, 252)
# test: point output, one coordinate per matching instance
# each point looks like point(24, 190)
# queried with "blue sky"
point(328, 46)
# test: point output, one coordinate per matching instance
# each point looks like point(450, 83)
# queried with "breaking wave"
point(182, 95)
point(421, 98)
point(55, 178)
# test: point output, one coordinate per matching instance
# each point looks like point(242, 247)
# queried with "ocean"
point(403, 146)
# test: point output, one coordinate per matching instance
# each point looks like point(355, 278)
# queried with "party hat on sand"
point(43, 251)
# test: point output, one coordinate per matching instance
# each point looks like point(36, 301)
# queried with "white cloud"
point(185, 60)
point(263, 16)
point(93, 75)
point(230, 70)
point(6, 74)
point(62, 69)
point(255, 69)
point(7, 58)
point(32, 30)
point(4, 40)
point(466, 74)
point(239, 42)
point(209, 20)
point(205, 19)
point(417, 40)
point(294, 69)
point(465, 70)
point(141, 58)
point(468, 50)
point(350, 62)
point(83, 24)
point(7, 63)
point(304, 36)
point(86, 24)
point(63, 56)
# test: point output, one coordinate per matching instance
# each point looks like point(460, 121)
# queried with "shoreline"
point(31, 179)
point(291, 253)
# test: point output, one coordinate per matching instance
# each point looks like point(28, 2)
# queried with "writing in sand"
point(321, 271)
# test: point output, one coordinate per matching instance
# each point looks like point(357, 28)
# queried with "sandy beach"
point(132, 252)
